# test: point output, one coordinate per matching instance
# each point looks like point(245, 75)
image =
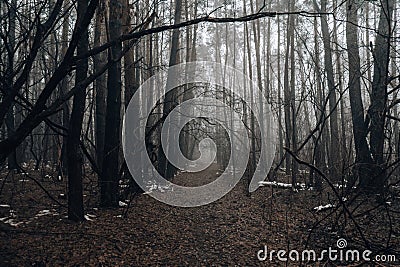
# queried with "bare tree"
point(74, 153)
point(110, 170)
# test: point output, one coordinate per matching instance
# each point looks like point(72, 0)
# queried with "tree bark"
point(100, 84)
point(377, 111)
point(9, 77)
point(356, 104)
point(334, 152)
point(171, 99)
point(110, 170)
point(74, 153)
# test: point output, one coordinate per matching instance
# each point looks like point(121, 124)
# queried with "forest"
point(199, 133)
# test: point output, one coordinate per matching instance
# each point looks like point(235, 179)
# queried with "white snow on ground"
point(89, 217)
point(10, 221)
point(12, 218)
point(156, 187)
point(4, 206)
point(46, 212)
point(302, 186)
point(266, 183)
point(122, 204)
point(325, 207)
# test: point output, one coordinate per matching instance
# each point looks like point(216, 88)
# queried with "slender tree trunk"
point(293, 108)
point(171, 99)
point(339, 67)
point(319, 153)
point(100, 84)
point(74, 153)
point(334, 149)
point(110, 170)
point(63, 88)
point(279, 86)
point(286, 93)
point(9, 77)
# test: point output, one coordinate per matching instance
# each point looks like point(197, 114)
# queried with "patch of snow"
point(23, 180)
point(302, 186)
point(324, 207)
point(4, 206)
point(89, 217)
point(153, 186)
point(10, 221)
point(46, 212)
point(266, 183)
point(122, 204)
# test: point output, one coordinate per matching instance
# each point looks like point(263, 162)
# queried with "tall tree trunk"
point(334, 149)
point(279, 86)
point(286, 95)
point(363, 157)
point(110, 170)
point(377, 110)
point(319, 153)
point(9, 77)
point(293, 108)
point(191, 36)
point(63, 88)
point(74, 153)
point(100, 84)
point(171, 99)
point(339, 67)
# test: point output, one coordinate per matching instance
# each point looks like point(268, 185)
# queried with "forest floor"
point(228, 232)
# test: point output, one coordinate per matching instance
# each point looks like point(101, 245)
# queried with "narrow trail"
point(230, 230)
